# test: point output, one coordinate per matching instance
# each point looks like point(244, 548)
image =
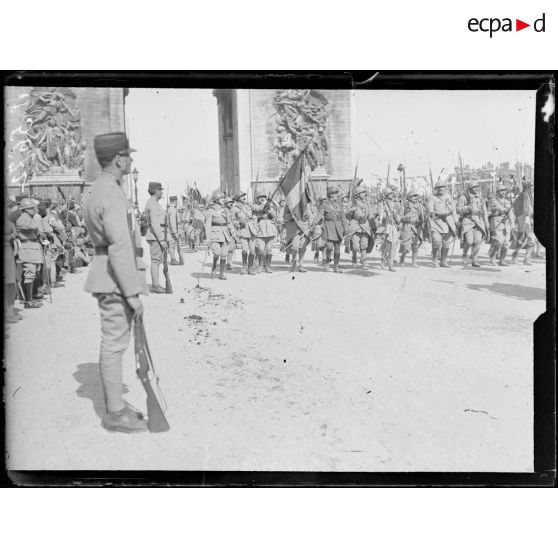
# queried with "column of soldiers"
point(43, 240)
point(396, 224)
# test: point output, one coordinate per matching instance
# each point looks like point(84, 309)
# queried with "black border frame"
point(545, 227)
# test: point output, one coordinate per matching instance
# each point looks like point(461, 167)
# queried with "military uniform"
point(218, 233)
point(474, 223)
point(413, 219)
point(390, 225)
point(332, 212)
point(443, 224)
point(172, 223)
point(116, 276)
point(500, 222)
point(247, 231)
point(232, 232)
point(297, 235)
point(525, 237)
point(29, 228)
point(155, 235)
point(361, 240)
point(265, 215)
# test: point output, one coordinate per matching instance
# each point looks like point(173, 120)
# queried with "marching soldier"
point(247, 231)
point(318, 243)
point(116, 275)
point(443, 224)
point(232, 244)
point(155, 235)
point(390, 219)
point(10, 276)
point(500, 221)
point(361, 238)
point(413, 220)
point(297, 236)
point(525, 229)
point(172, 223)
point(265, 215)
point(218, 233)
point(281, 231)
point(474, 222)
point(28, 227)
point(334, 226)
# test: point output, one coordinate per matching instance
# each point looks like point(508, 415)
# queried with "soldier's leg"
point(336, 256)
point(477, 240)
point(301, 253)
point(230, 252)
point(172, 250)
point(156, 260)
point(436, 246)
point(116, 323)
point(29, 273)
point(244, 249)
point(215, 248)
point(467, 243)
point(10, 315)
point(260, 252)
point(223, 252)
point(293, 249)
point(327, 252)
point(504, 249)
point(363, 250)
point(268, 253)
point(251, 255)
point(446, 245)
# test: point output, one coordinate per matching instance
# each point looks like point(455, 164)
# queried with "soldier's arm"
point(121, 253)
point(208, 224)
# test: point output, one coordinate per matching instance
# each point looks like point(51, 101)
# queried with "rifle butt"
point(156, 421)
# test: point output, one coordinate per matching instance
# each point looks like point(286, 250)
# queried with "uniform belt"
point(103, 251)
point(332, 219)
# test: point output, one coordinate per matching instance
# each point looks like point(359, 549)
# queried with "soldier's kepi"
point(116, 276)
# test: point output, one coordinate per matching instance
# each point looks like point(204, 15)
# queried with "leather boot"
point(492, 255)
point(287, 257)
point(475, 254)
point(503, 252)
point(354, 259)
point(402, 260)
point(390, 263)
point(251, 270)
point(244, 261)
point(464, 258)
point(363, 259)
point(28, 293)
point(214, 267)
point(327, 257)
point(267, 267)
point(515, 255)
point(222, 267)
point(229, 261)
point(336, 258)
point(293, 264)
point(316, 257)
point(414, 259)
point(443, 257)
point(435, 252)
point(127, 421)
point(528, 252)
point(260, 263)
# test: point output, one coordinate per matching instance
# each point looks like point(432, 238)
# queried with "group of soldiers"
point(43, 240)
point(397, 223)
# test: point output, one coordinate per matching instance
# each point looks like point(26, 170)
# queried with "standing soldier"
point(116, 276)
point(390, 225)
point(443, 223)
point(500, 221)
point(155, 235)
point(413, 220)
point(474, 222)
point(525, 230)
point(334, 226)
point(297, 237)
point(232, 231)
point(172, 223)
point(361, 239)
point(280, 222)
point(218, 233)
point(265, 215)
point(28, 227)
point(247, 231)
point(318, 242)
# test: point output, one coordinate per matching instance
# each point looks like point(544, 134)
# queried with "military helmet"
point(332, 189)
point(217, 195)
point(228, 199)
point(360, 189)
point(501, 186)
point(440, 184)
point(239, 196)
point(27, 203)
point(412, 192)
point(472, 185)
point(387, 191)
point(260, 192)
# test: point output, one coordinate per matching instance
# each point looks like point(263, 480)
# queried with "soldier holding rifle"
point(474, 222)
point(155, 234)
point(443, 224)
point(116, 276)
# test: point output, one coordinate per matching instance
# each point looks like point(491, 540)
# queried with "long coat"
point(473, 213)
point(157, 217)
point(443, 214)
point(265, 220)
point(334, 220)
point(116, 266)
point(28, 229)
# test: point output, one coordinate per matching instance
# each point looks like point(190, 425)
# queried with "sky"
point(176, 133)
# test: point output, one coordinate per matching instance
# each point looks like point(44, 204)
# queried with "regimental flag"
point(294, 188)
point(522, 204)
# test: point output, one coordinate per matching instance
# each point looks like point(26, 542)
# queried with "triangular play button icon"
point(519, 25)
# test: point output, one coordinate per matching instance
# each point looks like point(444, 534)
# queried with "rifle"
point(156, 421)
point(168, 284)
point(352, 186)
point(463, 189)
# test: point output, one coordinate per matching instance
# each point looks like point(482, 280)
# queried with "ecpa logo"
point(492, 25)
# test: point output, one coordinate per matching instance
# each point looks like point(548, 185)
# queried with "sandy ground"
point(419, 370)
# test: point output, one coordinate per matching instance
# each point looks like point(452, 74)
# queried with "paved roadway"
point(419, 370)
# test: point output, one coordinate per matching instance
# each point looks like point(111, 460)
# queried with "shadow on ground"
point(89, 380)
point(519, 292)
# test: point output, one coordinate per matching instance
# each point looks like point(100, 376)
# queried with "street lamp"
point(135, 176)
